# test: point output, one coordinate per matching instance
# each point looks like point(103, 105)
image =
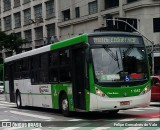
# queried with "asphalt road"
point(33, 118)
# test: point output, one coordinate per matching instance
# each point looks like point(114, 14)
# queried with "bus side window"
point(65, 66)
point(53, 66)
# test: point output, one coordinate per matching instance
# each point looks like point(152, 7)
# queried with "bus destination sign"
point(114, 40)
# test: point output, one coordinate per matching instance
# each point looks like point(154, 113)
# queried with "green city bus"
point(101, 71)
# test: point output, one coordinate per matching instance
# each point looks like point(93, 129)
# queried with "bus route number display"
point(114, 40)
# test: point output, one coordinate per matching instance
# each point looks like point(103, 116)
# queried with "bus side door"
point(78, 77)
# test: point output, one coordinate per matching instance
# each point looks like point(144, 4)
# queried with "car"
point(155, 88)
point(1, 87)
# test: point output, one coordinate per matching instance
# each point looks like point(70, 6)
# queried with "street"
point(142, 118)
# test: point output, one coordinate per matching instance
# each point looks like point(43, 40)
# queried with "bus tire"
point(64, 105)
point(18, 100)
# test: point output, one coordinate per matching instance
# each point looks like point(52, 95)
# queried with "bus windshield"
point(119, 64)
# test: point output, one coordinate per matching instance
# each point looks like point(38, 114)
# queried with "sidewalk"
point(2, 97)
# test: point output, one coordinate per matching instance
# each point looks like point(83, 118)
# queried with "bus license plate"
point(125, 103)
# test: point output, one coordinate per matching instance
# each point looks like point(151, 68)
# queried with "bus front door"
point(78, 56)
point(11, 83)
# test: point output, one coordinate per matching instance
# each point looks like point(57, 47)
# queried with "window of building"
point(16, 3)
point(26, 1)
point(28, 35)
point(50, 9)
point(111, 3)
point(156, 24)
point(18, 35)
point(27, 16)
point(93, 8)
point(7, 5)
point(66, 15)
point(50, 32)
point(17, 18)
point(7, 23)
point(38, 11)
point(129, 1)
point(39, 33)
point(77, 10)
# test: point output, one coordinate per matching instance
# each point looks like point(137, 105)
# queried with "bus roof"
point(68, 42)
point(72, 41)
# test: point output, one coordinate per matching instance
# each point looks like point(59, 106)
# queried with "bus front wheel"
point(18, 100)
point(64, 105)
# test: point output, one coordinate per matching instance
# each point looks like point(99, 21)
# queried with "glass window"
point(16, 3)
point(50, 9)
point(38, 11)
point(27, 16)
point(39, 33)
point(93, 8)
point(119, 64)
point(17, 19)
point(156, 24)
point(111, 3)
point(77, 10)
point(66, 15)
point(28, 35)
point(26, 1)
point(7, 23)
point(7, 5)
point(64, 57)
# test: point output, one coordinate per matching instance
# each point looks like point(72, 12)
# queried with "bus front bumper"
point(98, 103)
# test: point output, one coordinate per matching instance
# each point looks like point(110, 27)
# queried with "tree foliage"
point(11, 42)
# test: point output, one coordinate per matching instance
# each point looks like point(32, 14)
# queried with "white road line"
point(154, 103)
point(31, 115)
point(12, 128)
point(76, 126)
point(151, 108)
point(2, 107)
point(128, 119)
point(7, 102)
point(5, 120)
point(154, 119)
point(4, 104)
point(75, 120)
point(133, 110)
point(133, 128)
point(101, 128)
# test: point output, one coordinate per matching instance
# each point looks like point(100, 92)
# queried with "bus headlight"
point(100, 93)
point(145, 90)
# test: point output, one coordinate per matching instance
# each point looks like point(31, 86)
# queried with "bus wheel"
point(18, 100)
point(64, 105)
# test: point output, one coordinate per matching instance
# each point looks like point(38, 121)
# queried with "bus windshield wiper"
point(109, 51)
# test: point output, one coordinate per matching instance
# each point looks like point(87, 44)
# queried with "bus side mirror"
point(88, 55)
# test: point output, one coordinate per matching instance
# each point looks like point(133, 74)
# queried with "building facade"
point(39, 21)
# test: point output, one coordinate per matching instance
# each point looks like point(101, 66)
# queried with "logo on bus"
point(43, 89)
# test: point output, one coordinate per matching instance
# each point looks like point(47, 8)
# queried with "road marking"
point(128, 119)
point(154, 119)
point(75, 120)
point(5, 120)
point(31, 115)
point(132, 110)
point(76, 126)
point(7, 102)
point(154, 103)
point(101, 128)
point(133, 128)
point(8, 105)
point(12, 128)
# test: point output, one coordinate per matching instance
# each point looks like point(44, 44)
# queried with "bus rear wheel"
point(64, 105)
point(18, 100)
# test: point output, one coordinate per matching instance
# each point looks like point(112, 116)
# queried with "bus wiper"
point(115, 57)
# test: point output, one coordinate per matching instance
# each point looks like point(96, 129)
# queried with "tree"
point(11, 42)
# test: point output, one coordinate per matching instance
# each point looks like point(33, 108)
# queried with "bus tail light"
point(145, 90)
point(100, 93)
